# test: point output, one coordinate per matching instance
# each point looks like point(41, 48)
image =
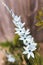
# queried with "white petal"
point(14, 22)
point(33, 49)
point(16, 29)
point(29, 37)
point(32, 54)
point(16, 32)
point(35, 44)
point(27, 31)
point(25, 52)
point(20, 24)
point(17, 18)
point(21, 38)
point(25, 48)
point(28, 56)
point(23, 24)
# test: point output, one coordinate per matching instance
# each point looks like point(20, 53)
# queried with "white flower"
point(10, 58)
point(26, 39)
point(29, 41)
point(26, 32)
point(17, 18)
point(29, 51)
point(18, 24)
point(20, 31)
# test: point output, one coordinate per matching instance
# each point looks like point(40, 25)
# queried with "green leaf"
point(40, 13)
point(41, 60)
point(5, 44)
point(16, 39)
point(38, 18)
point(17, 42)
point(39, 24)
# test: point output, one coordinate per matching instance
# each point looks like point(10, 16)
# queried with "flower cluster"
point(28, 40)
point(25, 36)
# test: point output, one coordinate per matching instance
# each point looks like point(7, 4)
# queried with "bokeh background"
point(27, 9)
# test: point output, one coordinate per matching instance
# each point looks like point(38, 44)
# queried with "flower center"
point(29, 50)
point(24, 38)
point(29, 43)
point(20, 30)
point(26, 41)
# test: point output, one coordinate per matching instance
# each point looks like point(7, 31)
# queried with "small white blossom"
point(17, 18)
point(29, 41)
point(18, 24)
point(20, 31)
point(29, 51)
point(26, 39)
point(26, 33)
point(10, 58)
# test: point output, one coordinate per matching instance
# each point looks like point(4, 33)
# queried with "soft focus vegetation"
point(16, 48)
point(39, 18)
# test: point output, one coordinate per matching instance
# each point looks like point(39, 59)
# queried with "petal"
point(35, 44)
point(25, 48)
point(16, 32)
point(17, 18)
point(27, 31)
point(21, 38)
point(33, 48)
point(23, 24)
point(29, 36)
point(32, 54)
point(14, 22)
point(16, 29)
point(28, 56)
point(25, 52)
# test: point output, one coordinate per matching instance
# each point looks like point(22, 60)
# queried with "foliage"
point(39, 18)
point(16, 49)
point(5, 44)
point(16, 41)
